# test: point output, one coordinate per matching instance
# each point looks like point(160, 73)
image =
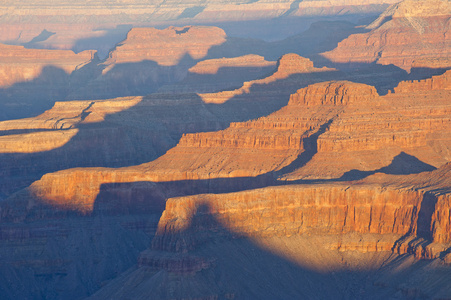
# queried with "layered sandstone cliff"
point(314, 210)
point(441, 82)
point(411, 34)
point(218, 10)
point(288, 65)
point(218, 74)
point(167, 47)
point(18, 64)
point(361, 230)
point(332, 130)
point(394, 133)
point(212, 66)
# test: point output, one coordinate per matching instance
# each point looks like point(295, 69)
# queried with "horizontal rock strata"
point(411, 34)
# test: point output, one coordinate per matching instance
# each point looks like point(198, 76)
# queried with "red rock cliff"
point(167, 46)
point(306, 210)
point(409, 34)
point(18, 64)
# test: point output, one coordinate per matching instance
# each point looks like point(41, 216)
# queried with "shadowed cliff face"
point(128, 131)
point(243, 193)
point(309, 139)
point(203, 257)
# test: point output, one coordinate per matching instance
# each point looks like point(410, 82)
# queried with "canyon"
point(410, 34)
point(183, 161)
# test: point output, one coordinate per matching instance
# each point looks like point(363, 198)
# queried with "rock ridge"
point(335, 93)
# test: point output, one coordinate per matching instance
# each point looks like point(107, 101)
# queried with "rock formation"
point(318, 135)
point(150, 58)
point(213, 66)
point(442, 82)
point(411, 34)
point(18, 64)
point(385, 217)
point(218, 74)
point(304, 182)
point(289, 64)
point(166, 47)
point(312, 226)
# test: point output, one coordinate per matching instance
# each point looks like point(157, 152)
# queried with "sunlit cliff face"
point(56, 127)
point(225, 149)
point(289, 64)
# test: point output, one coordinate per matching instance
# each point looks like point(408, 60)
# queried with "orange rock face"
point(324, 209)
point(327, 131)
point(442, 82)
point(18, 64)
point(167, 47)
point(289, 64)
point(411, 34)
point(294, 210)
point(212, 66)
point(379, 128)
point(335, 93)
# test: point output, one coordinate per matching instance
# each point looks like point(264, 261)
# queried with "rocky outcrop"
point(167, 47)
point(212, 66)
point(335, 93)
point(328, 130)
point(442, 82)
point(288, 65)
point(411, 34)
point(377, 129)
point(308, 210)
point(213, 75)
point(18, 64)
point(295, 210)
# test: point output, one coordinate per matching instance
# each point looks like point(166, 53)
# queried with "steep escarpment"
point(149, 58)
point(334, 130)
point(392, 134)
point(168, 46)
point(212, 75)
point(361, 235)
point(18, 64)
point(336, 93)
point(441, 82)
point(314, 210)
point(328, 133)
point(288, 65)
point(411, 34)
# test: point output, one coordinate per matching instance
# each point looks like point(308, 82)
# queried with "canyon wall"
point(18, 64)
point(327, 130)
point(212, 66)
point(311, 210)
point(333, 130)
point(411, 34)
point(441, 82)
point(168, 46)
point(288, 65)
